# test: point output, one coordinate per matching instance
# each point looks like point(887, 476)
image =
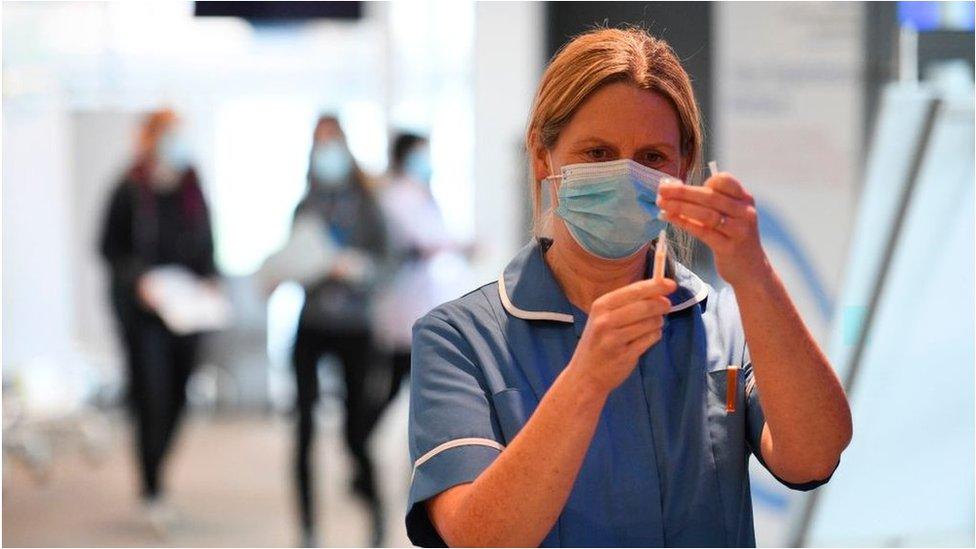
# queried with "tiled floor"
point(229, 477)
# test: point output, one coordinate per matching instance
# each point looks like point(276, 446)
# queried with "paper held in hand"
point(185, 303)
point(309, 254)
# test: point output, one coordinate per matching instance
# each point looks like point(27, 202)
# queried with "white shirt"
point(414, 221)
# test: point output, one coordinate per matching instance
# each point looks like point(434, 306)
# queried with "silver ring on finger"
point(721, 222)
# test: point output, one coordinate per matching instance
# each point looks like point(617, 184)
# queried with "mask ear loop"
point(552, 178)
point(552, 172)
point(548, 193)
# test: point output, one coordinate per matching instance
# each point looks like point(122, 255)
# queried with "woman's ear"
point(538, 156)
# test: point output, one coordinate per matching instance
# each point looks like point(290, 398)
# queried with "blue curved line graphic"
point(768, 496)
point(774, 231)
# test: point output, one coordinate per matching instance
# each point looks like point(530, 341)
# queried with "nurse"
point(576, 401)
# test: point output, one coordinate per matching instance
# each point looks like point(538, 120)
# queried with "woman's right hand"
point(351, 266)
point(145, 292)
point(622, 325)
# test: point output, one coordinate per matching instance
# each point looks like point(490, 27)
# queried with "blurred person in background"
point(335, 319)
point(417, 237)
point(156, 216)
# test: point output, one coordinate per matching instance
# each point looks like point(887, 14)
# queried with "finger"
point(700, 216)
point(707, 217)
point(705, 196)
point(732, 227)
point(712, 238)
point(642, 289)
point(638, 330)
point(637, 347)
point(724, 183)
point(639, 311)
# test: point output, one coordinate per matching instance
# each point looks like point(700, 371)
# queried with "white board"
point(907, 478)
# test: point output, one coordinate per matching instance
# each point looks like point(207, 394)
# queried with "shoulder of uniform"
point(471, 305)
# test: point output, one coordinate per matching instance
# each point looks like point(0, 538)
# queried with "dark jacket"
point(144, 228)
point(354, 221)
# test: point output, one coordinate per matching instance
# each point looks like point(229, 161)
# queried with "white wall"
point(38, 309)
point(101, 149)
point(508, 58)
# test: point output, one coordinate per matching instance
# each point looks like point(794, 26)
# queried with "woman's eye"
point(599, 155)
point(653, 158)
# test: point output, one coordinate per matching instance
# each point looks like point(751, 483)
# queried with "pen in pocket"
point(731, 382)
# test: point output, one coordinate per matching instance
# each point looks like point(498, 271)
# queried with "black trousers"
point(159, 365)
point(399, 364)
point(362, 406)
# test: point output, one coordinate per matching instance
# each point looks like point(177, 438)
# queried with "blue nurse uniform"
point(667, 466)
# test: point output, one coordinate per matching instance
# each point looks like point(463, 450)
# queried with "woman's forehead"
point(625, 114)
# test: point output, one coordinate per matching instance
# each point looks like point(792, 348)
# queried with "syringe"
point(660, 255)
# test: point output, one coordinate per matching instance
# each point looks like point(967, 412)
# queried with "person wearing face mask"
point(579, 401)
point(418, 237)
point(157, 216)
point(335, 319)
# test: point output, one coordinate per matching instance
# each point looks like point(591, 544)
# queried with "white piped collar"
point(529, 291)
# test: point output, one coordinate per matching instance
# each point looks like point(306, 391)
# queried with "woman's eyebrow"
point(594, 140)
point(660, 145)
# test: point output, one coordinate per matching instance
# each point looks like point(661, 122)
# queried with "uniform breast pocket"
point(513, 407)
point(718, 387)
point(727, 429)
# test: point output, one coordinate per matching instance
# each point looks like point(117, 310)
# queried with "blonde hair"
point(604, 56)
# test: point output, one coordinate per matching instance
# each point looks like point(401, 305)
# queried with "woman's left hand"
point(722, 214)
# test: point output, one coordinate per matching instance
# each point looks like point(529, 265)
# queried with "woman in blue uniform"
point(577, 401)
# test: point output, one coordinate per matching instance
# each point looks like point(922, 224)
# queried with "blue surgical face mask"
point(331, 164)
point(417, 165)
point(609, 207)
point(173, 151)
